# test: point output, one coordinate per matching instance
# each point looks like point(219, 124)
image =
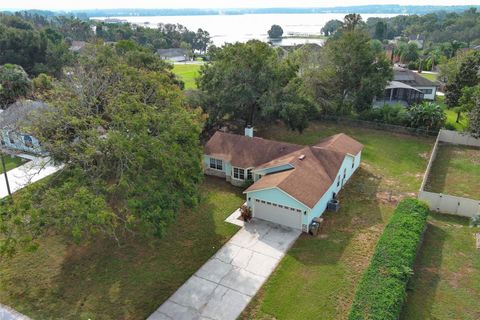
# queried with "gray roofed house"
point(174, 54)
point(11, 121)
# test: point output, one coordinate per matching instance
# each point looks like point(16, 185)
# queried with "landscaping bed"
point(455, 171)
point(446, 282)
point(318, 276)
point(101, 280)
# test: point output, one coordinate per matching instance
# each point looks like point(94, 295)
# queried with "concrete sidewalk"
point(226, 283)
point(23, 175)
point(7, 313)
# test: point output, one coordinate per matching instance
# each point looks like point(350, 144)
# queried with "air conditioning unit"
point(333, 205)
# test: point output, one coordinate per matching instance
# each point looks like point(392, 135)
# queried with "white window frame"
point(238, 173)
point(216, 161)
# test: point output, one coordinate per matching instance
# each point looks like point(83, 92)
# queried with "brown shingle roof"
point(310, 176)
point(246, 152)
point(309, 179)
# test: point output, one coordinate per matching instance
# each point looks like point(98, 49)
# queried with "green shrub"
point(382, 290)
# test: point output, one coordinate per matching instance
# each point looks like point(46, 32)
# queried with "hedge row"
point(382, 289)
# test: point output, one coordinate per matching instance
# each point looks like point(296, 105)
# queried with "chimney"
point(249, 131)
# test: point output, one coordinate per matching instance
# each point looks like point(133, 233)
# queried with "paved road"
point(23, 175)
point(226, 283)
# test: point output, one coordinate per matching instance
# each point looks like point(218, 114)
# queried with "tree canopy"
point(275, 31)
point(129, 146)
point(14, 84)
point(251, 83)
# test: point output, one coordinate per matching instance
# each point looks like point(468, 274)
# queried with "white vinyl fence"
point(445, 203)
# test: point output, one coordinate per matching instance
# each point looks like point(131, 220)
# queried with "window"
point(249, 174)
point(338, 181)
point(216, 164)
point(263, 201)
point(426, 91)
point(280, 206)
point(239, 173)
point(344, 173)
point(353, 163)
point(11, 137)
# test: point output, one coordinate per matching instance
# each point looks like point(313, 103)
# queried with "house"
point(418, 39)
point(11, 121)
point(291, 184)
point(174, 54)
point(407, 88)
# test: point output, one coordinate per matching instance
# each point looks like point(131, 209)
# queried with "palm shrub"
point(427, 115)
point(382, 290)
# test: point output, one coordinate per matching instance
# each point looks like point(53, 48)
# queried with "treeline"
point(40, 44)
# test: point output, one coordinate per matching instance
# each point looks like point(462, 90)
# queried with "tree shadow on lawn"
point(101, 280)
point(421, 290)
point(359, 211)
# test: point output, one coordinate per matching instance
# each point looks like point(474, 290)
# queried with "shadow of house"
point(12, 121)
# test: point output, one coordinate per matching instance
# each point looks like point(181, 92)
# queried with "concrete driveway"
point(226, 283)
point(32, 171)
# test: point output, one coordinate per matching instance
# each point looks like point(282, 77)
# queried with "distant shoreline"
point(367, 9)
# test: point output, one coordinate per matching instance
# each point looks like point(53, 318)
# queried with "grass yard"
point(430, 76)
point(11, 163)
point(456, 171)
point(187, 73)
point(318, 276)
point(101, 280)
point(446, 283)
point(452, 116)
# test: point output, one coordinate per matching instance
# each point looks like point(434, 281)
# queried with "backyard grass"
point(446, 283)
point(11, 163)
point(318, 276)
point(452, 116)
point(430, 76)
point(456, 171)
point(101, 280)
point(187, 73)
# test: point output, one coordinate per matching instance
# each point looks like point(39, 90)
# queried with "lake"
point(241, 28)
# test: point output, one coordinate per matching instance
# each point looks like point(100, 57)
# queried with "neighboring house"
point(418, 39)
point(407, 88)
point(11, 121)
point(292, 184)
point(174, 54)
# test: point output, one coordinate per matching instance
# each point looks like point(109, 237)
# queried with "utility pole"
point(6, 176)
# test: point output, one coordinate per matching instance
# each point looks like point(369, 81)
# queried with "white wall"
point(445, 203)
point(430, 96)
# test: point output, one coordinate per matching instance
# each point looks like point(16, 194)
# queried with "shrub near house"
point(382, 290)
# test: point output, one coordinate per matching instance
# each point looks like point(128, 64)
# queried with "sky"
point(102, 4)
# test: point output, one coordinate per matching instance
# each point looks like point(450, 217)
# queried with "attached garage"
point(281, 214)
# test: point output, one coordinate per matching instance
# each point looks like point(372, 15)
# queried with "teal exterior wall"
point(321, 205)
point(19, 142)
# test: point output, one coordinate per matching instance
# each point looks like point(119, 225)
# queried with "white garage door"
point(273, 212)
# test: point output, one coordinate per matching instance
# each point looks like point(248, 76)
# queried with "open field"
point(456, 171)
point(11, 163)
point(318, 276)
point(101, 280)
point(446, 283)
point(187, 73)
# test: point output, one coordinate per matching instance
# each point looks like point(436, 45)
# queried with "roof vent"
point(301, 157)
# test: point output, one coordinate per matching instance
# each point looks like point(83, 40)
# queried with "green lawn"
point(318, 276)
point(101, 280)
point(429, 76)
point(187, 73)
point(456, 171)
point(446, 284)
point(11, 163)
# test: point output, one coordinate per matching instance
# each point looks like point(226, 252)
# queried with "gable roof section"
point(246, 152)
point(411, 78)
point(309, 179)
point(341, 143)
